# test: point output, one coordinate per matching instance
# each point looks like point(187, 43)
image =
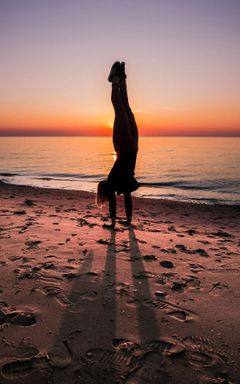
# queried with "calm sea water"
point(187, 169)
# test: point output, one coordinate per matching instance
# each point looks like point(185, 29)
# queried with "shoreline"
point(153, 302)
point(151, 200)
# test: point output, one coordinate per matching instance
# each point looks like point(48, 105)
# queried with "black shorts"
point(121, 177)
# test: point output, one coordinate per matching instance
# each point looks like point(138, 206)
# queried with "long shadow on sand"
point(107, 337)
point(92, 345)
point(147, 320)
point(91, 342)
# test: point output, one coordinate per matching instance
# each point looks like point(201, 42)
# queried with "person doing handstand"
point(125, 141)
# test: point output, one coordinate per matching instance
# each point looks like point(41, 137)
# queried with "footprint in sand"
point(108, 366)
point(166, 345)
point(21, 318)
point(17, 318)
point(161, 359)
point(201, 353)
point(193, 282)
point(149, 258)
point(152, 371)
point(217, 288)
point(20, 368)
point(167, 264)
point(129, 362)
point(81, 300)
point(32, 243)
point(60, 356)
point(175, 311)
point(57, 292)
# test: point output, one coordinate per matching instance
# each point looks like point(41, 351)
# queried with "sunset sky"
point(182, 61)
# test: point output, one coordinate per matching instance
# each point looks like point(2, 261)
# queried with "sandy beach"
point(157, 302)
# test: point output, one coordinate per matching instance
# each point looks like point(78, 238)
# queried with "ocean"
point(191, 169)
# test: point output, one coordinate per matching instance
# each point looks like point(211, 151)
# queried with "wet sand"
point(157, 302)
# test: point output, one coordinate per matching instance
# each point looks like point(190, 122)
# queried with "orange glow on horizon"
point(208, 121)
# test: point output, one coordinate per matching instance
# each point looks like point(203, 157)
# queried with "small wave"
point(160, 184)
point(222, 186)
point(196, 200)
point(174, 184)
point(6, 174)
point(70, 176)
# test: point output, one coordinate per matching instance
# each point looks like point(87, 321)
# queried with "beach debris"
point(166, 264)
point(19, 213)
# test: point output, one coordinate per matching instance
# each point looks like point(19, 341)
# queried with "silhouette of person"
point(125, 141)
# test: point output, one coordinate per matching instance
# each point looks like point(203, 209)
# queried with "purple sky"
point(182, 58)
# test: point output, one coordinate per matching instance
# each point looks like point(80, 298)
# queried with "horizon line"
point(144, 135)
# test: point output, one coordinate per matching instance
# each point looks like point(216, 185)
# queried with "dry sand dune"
point(157, 302)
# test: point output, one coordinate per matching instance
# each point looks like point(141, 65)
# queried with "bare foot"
point(110, 226)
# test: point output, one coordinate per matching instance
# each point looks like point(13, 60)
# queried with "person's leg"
point(124, 94)
point(121, 128)
point(128, 206)
point(131, 118)
point(117, 99)
point(112, 206)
